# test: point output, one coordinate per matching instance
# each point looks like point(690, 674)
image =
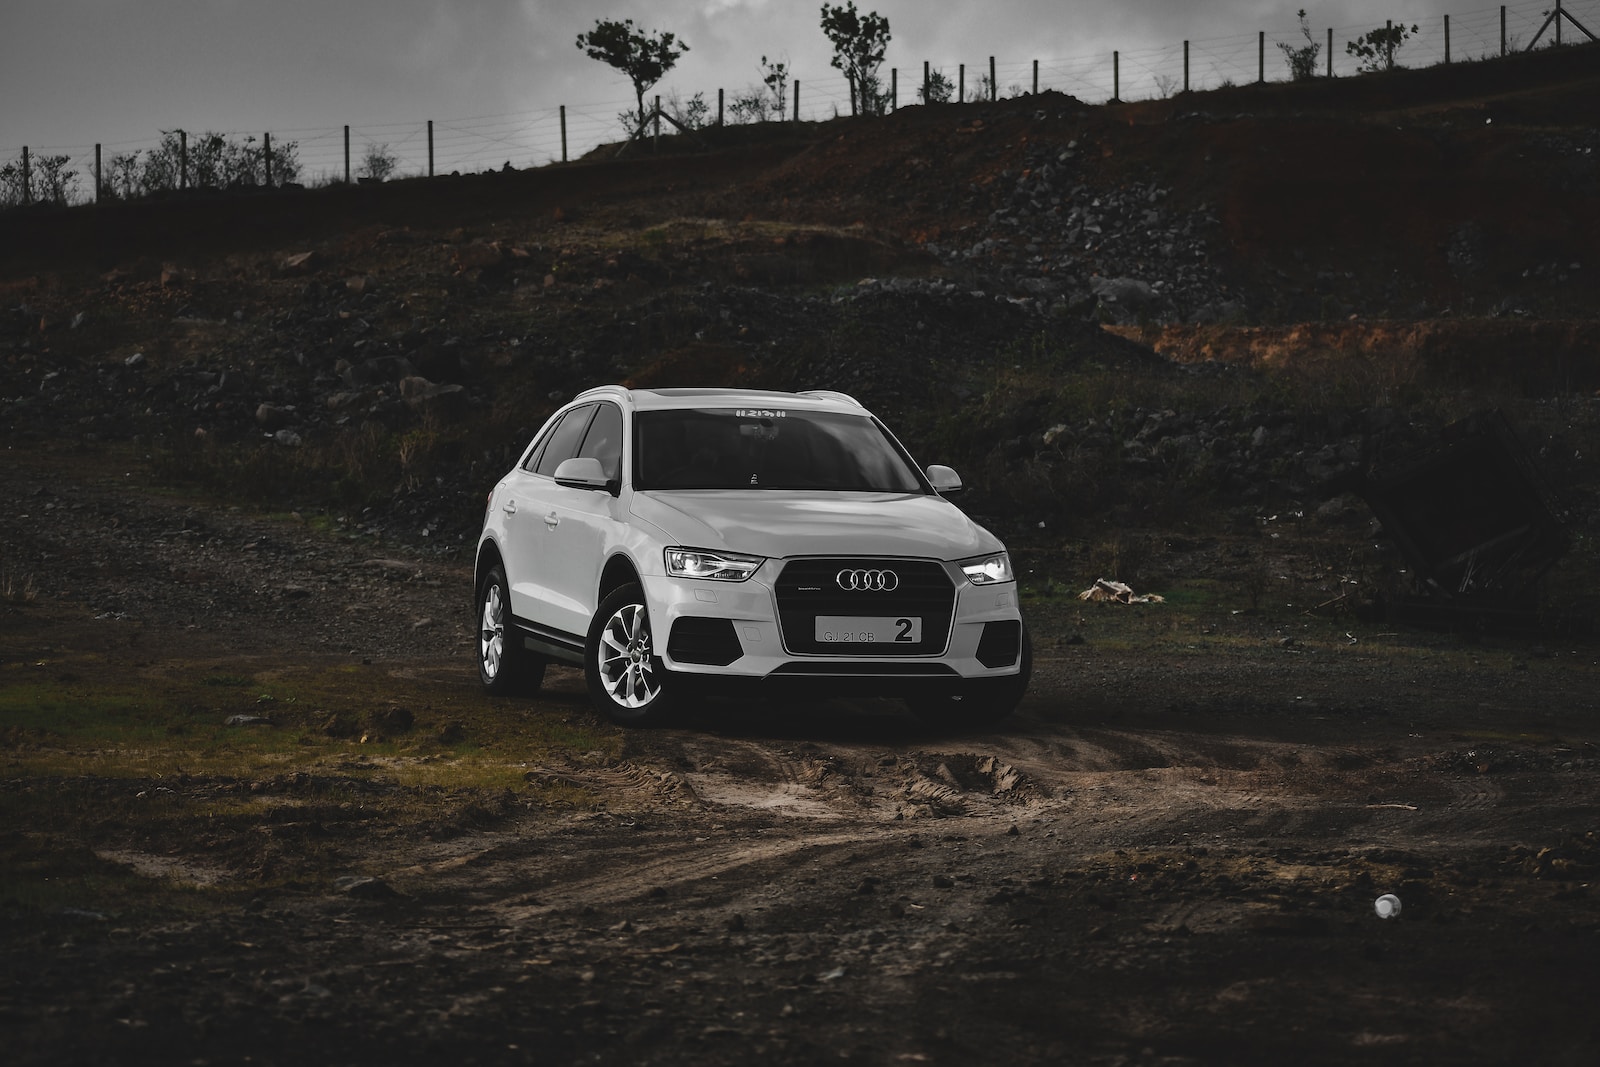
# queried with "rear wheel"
point(980, 703)
point(504, 666)
point(626, 679)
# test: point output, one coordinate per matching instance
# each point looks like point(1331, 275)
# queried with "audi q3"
point(677, 543)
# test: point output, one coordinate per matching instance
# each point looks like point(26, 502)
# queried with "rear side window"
point(564, 440)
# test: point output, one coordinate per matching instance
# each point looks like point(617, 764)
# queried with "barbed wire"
point(545, 135)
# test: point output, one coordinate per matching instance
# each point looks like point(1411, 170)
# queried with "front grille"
point(808, 588)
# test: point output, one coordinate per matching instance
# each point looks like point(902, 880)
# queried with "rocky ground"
point(256, 809)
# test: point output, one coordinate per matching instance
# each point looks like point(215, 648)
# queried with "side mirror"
point(945, 481)
point(582, 472)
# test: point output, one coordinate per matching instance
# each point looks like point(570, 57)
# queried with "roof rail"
point(832, 394)
point(603, 390)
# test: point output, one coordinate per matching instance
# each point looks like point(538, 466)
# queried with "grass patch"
point(75, 716)
point(199, 781)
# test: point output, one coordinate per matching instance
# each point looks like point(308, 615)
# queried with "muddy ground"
point(1169, 855)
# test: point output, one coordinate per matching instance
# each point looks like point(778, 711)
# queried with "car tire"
point(504, 666)
point(626, 679)
point(983, 703)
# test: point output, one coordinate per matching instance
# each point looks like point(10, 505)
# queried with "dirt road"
point(1170, 855)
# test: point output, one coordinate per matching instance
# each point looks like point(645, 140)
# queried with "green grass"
point(75, 716)
point(102, 760)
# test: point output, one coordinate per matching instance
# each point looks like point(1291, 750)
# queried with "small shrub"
point(378, 163)
point(765, 102)
point(123, 175)
point(1302, 59)
point(938, 90)
point(691, 114)
point(1375, 49)
point(46, 180)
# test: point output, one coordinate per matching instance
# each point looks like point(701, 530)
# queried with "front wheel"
point(626, 679)
point(982, 703)
point(504, 666)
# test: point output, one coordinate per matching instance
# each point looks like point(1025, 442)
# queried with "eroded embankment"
point(1529, 357)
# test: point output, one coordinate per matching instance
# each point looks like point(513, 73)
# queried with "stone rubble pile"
point(1122, 254)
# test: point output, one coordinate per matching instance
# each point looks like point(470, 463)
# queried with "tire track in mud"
point(636, 871)
point(734, 773)
point(622, 784)
point(1116, 782)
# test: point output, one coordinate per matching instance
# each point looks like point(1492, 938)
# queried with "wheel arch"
point(618, 572)
point(488, 556)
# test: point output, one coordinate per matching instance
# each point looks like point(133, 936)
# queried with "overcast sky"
point(77, 72)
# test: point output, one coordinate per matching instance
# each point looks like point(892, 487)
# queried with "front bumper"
point(728, 636)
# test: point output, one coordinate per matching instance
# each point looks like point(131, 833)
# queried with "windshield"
point(768, 449)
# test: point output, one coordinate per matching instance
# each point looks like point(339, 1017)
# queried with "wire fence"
point(325, 155)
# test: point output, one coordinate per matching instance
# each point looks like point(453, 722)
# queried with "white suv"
point(675, 541)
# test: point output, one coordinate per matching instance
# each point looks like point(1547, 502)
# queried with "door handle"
point(551, 520)
point(509, 507)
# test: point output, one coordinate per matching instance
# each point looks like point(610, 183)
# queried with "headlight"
point(989, 569)
point(712, 566)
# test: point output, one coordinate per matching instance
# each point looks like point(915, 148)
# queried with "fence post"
point(797, 100)
point(1186, 66)
point(1558, 23)
point(994, 89)
point(1036, 77)
point(183, 159)
point(347, 155)
point(266, 152)
point(27, 183)
point(719, 107)
point(99, 184)
point(1330, 51)
point(563, 133)
point(1116, 77)
point(430, 148)
point(1261, 57)
point(1447, 40)
point(1502, 31)
point(961, 84)
point(655, 142)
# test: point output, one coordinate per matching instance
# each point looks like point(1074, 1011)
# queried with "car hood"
point(775, 522)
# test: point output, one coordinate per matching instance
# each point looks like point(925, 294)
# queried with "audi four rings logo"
point(868, 581)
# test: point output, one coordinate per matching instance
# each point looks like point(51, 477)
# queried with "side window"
point(604, 440)
point(564, 439)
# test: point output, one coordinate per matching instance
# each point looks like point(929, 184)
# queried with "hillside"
point(1385, 240)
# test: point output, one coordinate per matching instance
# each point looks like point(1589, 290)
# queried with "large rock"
point(422, 395)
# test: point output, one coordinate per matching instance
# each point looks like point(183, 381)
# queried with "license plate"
point(868, 630)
